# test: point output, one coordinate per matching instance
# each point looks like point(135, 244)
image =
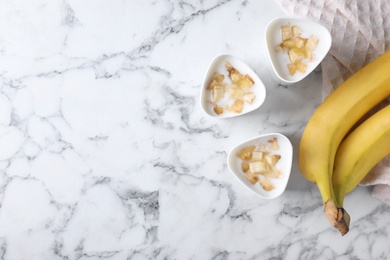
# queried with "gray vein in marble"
point(186, 105)
point(184, 172)
point(98, 138)
point(5, 181)
point(69, 17)
point(148, 202)
point(370, 218)
point(101, 255)
point(101, 180)
point(214, 130)
point(193, 129)
point(297, 211)
point(169, 26)
point(184, 4)
point(232, 211)
point(154, 116)
point(152, 234)
point(141, 254)
point(3, 248)
point(58, 247)
point(98, 255)
point(161, 70)
point(172, 168)
point(243, 215)
point(222, 255)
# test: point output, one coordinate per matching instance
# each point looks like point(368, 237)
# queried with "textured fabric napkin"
point(360, 33)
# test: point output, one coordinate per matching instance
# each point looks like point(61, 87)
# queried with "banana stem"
point(338, 217)
point(339, 196)
point(335, 213)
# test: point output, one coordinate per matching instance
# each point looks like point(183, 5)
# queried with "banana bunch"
point(333, 156)
point(361, 150)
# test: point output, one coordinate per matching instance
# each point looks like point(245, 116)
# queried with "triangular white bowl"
point(284, 164)
point(218, 65)
point(280, 60)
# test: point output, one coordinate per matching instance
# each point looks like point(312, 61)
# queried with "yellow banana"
point(330, 123)
point(360, 152)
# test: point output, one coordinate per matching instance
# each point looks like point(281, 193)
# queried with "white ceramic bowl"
point(280, 60)
point(218, 65)
point(284, 165)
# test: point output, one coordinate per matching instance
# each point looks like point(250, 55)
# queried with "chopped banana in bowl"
point(295, 48)
point(231, 88)
point(263, 164)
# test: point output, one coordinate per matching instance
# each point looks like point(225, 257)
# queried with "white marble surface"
point(106, 154)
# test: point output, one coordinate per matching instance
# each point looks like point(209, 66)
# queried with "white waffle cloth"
point(360, 33)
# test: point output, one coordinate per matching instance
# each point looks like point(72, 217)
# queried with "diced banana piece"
point(296, 30)
point(244, 166)
point(289, 43)
point(294, 42)
point(296, 55)
point(276, 173)
point(274, 143)
point(300, 42)
point(257, 156)
point(272, 159)
point(219, 78)
point(217, 93)
point(237, 106)
point(262, 147)
point(249, 97)
point(312, 42)
point(273, 173)
point(286, 32)
point(218, 110)
point(266, 184)
point(308, 54)
point(301, 67)
point(236, 93)
point(228, 65)
point(292, 68)
point(245, 153)
point(212, 84)
point(279, 48)
point(259, 167)
point(252, 178)
point(245, 82)
point(298, 66)
point(234, 74)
